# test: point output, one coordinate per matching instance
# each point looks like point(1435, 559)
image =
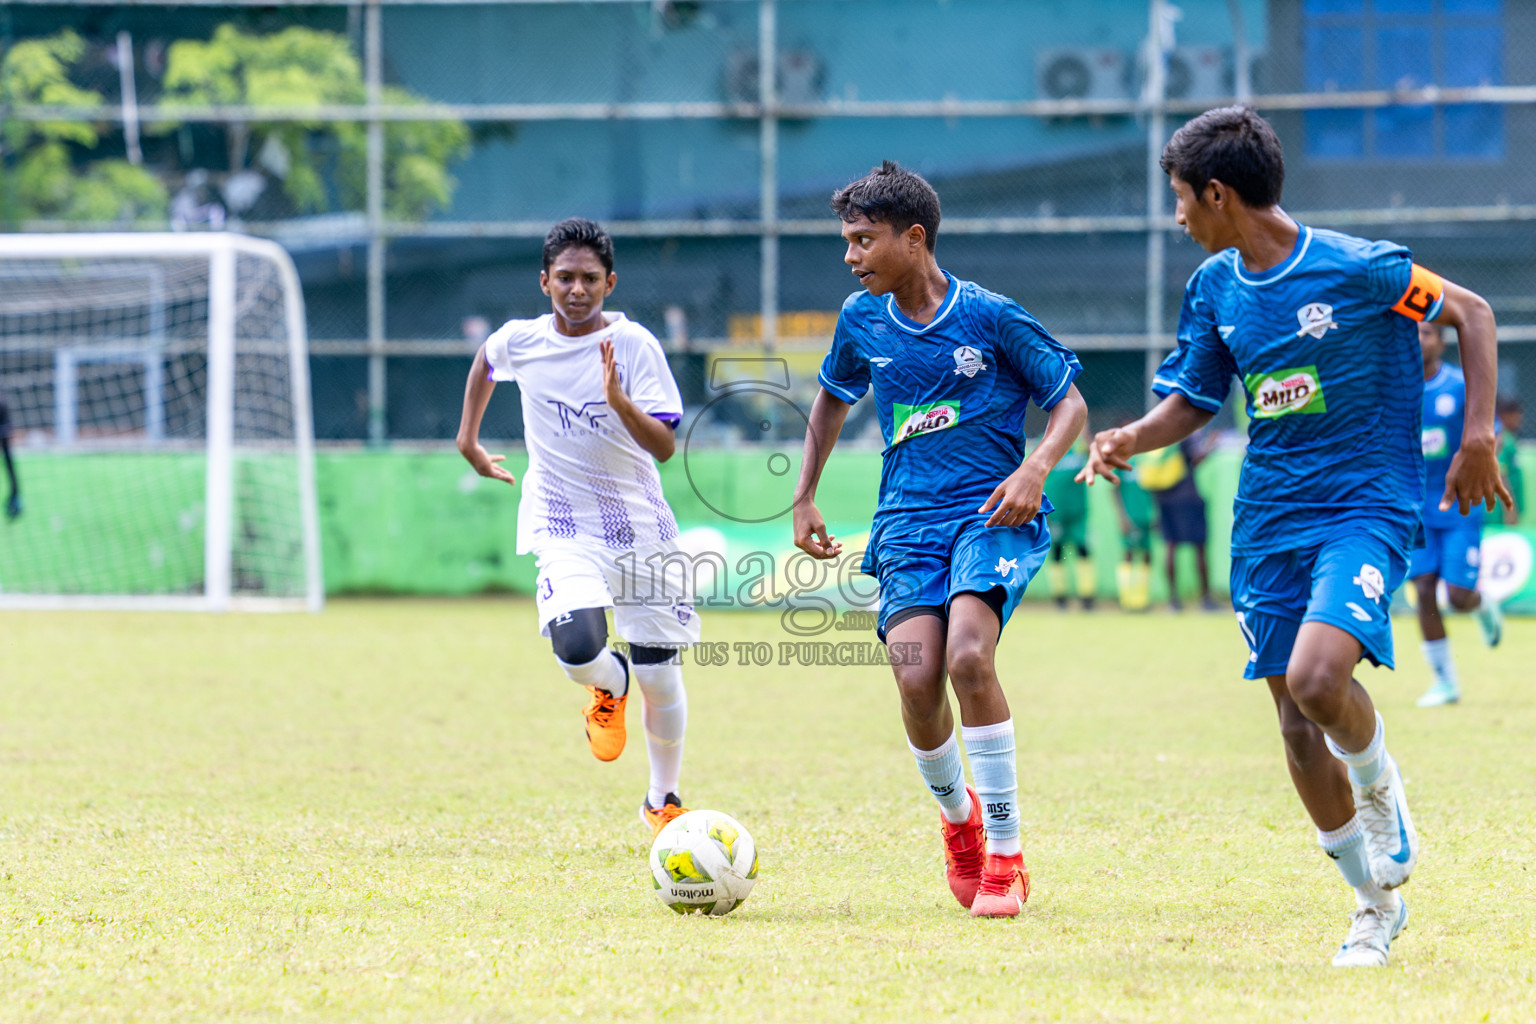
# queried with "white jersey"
point(587, 478)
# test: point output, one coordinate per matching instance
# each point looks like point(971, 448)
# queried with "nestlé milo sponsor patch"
point(1282, 392)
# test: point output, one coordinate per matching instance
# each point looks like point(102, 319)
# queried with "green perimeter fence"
point(423, 523)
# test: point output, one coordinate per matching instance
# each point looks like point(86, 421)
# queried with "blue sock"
point(1366, 766)
point(945, 776)
point(997, 783)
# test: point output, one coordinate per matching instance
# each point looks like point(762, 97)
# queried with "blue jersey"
point(1326, 346)
point(950, 394)
point(1445, 402)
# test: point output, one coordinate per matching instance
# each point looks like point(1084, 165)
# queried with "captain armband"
point(1422, 299)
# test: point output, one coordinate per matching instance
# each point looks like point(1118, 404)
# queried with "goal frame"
point(221, 250)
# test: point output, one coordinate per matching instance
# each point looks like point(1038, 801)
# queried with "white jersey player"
point(599, 404)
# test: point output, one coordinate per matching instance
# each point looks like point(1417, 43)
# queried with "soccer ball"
point(704, 862)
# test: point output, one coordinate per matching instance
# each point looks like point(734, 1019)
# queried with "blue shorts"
point(923, 562)
point(1454, 554)
point(1346, 581)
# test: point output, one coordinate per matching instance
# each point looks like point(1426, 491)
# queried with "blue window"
point(1354, 45)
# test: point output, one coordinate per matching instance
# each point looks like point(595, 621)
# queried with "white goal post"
point(159, 404)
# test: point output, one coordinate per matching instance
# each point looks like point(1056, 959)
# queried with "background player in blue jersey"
point(959, 530)
point(1452, 539)
point(1321, 329)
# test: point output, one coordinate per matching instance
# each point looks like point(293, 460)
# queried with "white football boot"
point(1371, 931)
point(1391, 842)
point(1440, 694)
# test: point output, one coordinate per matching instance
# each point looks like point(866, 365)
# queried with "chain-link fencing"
point(413, 166)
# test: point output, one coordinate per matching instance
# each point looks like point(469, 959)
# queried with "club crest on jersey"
point(968, 361)
point(1316, 319)
point(912, 420)
point(1281, 392)
point(1371, 583)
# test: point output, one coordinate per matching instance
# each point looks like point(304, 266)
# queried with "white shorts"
point(649, 589)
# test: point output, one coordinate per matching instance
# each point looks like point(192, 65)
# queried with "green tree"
point(41, 180)
point(301, 67)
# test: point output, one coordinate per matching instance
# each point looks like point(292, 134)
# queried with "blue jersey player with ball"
point(1322, 330)
point(959, 530)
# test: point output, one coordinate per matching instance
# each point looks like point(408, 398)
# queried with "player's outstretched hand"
point(613, 385)
point(1111, 450)
point(1015, 501)
point(487, 464)
point(811, 534)
point(1474, 479)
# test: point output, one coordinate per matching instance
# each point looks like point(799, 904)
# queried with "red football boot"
point(965, 844)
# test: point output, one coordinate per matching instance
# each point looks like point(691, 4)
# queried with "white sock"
point(605, 672)
point(1366, 766)
point(1005, 847)
point(945, 777)
point(1345, 846)
point(1438, 654)
point(1372, 895)
point(665, 716)
point(997, 782)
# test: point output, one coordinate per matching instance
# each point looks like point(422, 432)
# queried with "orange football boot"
point(605, 723)
point(659, 817)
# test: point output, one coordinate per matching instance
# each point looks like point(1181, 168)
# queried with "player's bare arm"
point(826, 421)
point(1474, 476)
point(649, 433)
point(477, 394)
point(1016, 500)
point(1170, 421)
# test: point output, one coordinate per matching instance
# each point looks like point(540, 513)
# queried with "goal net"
point(158, 389)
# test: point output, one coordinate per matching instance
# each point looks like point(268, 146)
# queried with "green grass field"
point(388, 813)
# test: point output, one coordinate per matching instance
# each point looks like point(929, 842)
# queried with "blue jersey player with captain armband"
point(959, 530)
point(1321, 329)
point(1452, 539)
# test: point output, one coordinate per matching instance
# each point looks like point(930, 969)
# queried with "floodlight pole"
point(373, 63)
point(130, 98)
point(768, 154)
point(1242, 80)
point(1159, 29)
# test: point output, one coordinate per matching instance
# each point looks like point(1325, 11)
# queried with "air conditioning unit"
point(1198, 72)
point(801, 77)
point(1082, 73)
